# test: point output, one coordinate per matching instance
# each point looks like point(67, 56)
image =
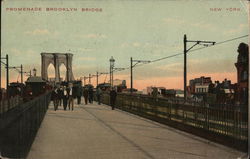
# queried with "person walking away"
point(65, 98)
point(79, 94)
point(98, 95)
point(60, 96)
point(85, 95)
point(91, 94)
point(71, 98)
point(113, 95)
point(54, 97)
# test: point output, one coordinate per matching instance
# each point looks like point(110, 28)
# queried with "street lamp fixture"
point(112, 61)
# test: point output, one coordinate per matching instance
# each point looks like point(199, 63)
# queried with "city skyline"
point(144, 30)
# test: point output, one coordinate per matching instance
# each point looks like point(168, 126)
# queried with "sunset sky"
point(142, 29)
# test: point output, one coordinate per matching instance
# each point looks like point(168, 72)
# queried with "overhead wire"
point(181, 53)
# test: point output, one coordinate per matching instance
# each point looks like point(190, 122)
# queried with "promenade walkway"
point(97, 132)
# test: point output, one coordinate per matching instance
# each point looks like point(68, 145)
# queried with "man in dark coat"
point(65, 98)
point(98, 95)
point(113, 95)
point(85, 95)
point(91, 95)
point(60, 95)
point(71, 95)
point(79, 94)
point(54, 97)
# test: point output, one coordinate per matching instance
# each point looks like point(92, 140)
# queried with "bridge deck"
point(96, 131)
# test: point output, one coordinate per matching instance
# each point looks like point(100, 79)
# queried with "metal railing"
point(225, 124)
point(6, 104)
point(19, 125)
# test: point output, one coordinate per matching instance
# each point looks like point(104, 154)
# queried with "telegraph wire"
point(204, 47)
point(181, 53)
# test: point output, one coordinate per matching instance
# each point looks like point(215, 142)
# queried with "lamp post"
point(21, 73)
point(112, 64)
point(131, 70)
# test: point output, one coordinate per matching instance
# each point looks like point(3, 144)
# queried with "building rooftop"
point(35, 79)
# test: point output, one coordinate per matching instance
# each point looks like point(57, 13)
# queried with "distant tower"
point(242, 73)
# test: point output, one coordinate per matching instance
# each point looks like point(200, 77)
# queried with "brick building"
point(199, 85)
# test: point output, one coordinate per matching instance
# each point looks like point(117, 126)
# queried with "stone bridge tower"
point(57, 59)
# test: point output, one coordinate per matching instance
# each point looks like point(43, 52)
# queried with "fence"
point(6, 105)
point(19, 125)
point(225, 124)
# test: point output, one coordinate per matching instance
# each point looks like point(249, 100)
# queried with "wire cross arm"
point(204, 43)
point(118, 69)
point(104, 73)
point(140, 61)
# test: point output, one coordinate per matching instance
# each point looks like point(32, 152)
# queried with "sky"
point(142, 29)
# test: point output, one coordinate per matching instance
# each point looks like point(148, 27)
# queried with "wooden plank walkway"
point(95, 131)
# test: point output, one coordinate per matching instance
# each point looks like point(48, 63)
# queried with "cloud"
point(14, 51)
point(38, 32)
point(136, 44)
point(86, 49)
point(87, 58)
point(173, 21)
point(238, 29)
point(124, 45)
point(176, 67)
point(42, 32)
point(201, 24)
point(92, 36)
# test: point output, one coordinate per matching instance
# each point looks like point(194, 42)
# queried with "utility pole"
point(7, 74)
point(96, 79)
point(1, 47)
point(185, 66)
point(21, 73)
point(90, 78)
point(185, 41)
point(131, 74)
point(84, 79)
point(131, 70)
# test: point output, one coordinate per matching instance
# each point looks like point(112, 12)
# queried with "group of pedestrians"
point(65, 95)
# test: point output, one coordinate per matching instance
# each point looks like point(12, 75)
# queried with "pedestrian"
point(54, 97)
point(65, 98)
point(71, 97)
point(85, 95)
point(79, 94)
point(98, 95)
point(113, 95)
point(91, 94)
point(60, 96)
